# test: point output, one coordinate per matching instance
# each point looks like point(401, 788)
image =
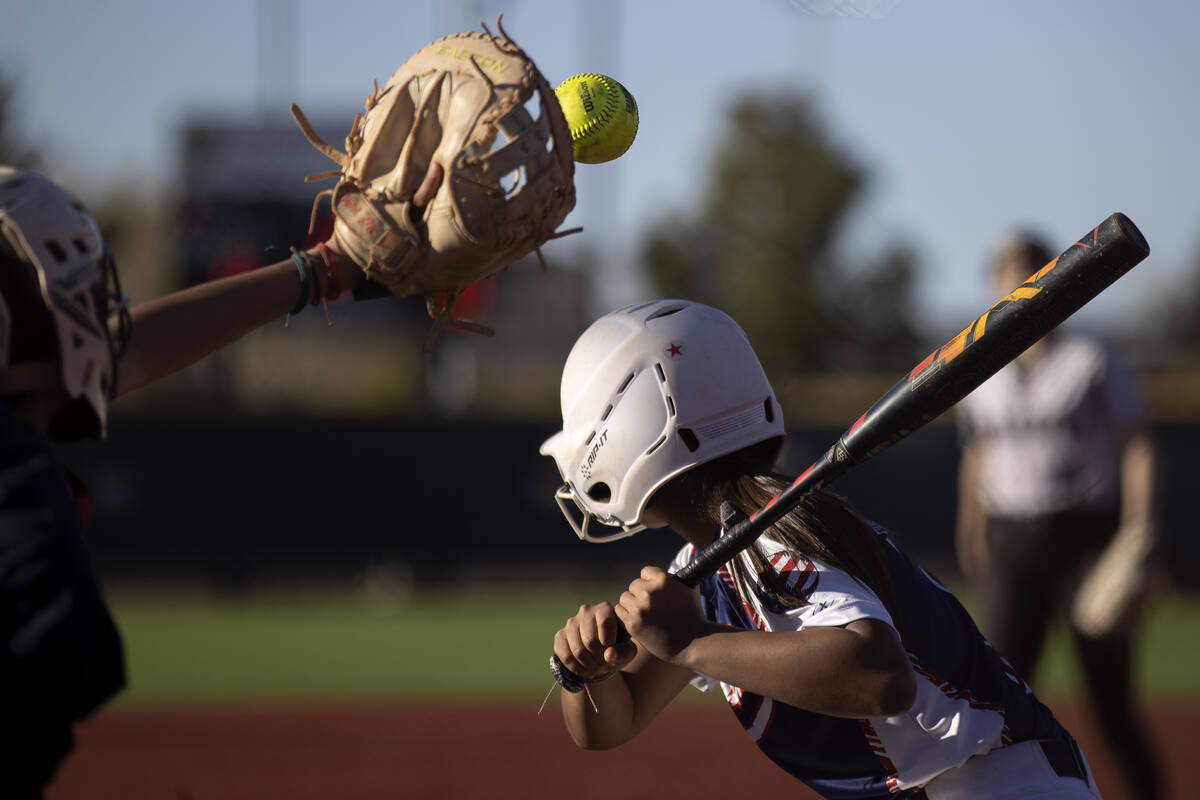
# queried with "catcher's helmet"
point(648, 392)
point(58, 287)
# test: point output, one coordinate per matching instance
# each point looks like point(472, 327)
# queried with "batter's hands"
point(587, 645)
point(661, 613)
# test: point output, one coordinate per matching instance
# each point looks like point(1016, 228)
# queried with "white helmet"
point(57, 269)
point(648, 392)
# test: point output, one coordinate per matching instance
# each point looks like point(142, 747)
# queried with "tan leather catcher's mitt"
point(508, 178)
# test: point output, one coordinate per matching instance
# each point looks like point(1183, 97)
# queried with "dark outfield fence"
point(237, 501)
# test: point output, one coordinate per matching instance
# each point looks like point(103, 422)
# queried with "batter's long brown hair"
point(822, 527)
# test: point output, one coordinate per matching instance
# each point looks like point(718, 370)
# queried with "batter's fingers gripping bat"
point(944, 377)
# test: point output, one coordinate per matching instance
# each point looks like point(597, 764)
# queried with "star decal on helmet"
point(674, 350)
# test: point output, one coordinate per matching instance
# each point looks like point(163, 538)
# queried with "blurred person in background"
point(69, 345)
point(1056, 511)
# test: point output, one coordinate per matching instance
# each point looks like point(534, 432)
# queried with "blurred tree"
point(136, 226)
point(15, 149)
point(1173, 332)
point(137, 223)
point(873, 313)
point(761, 247)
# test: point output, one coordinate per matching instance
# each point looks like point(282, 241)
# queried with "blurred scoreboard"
point(245, 199)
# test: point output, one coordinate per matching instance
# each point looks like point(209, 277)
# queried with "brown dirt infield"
point(494, 751)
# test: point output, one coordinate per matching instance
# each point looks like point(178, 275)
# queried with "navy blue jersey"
point(968, 700)
point(61, 654)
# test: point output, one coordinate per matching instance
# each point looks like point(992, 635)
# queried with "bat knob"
point(566, 679)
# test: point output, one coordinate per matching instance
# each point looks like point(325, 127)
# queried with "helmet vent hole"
point(76, 341)
point(607, 411)
point(625, 383)
point(670, 406)
point(689, 439)
point(657, 444)
point(589, 439)
point(600, 492)
point(768, 410)
point(666, 312)
point(662, 376)
point(80, 246)
point(56, 250)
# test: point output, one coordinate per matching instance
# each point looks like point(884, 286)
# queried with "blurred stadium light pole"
point(600, 37)
point(277, 25)
point(465, 15)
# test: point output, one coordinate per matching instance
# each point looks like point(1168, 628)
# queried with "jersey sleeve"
point(681, 559)
point(837, 599)
point(832, 598)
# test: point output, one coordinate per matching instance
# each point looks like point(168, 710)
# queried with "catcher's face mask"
point(648, 392)
point(60, 248)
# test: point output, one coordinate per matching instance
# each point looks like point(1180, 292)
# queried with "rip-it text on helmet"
point(585, 467)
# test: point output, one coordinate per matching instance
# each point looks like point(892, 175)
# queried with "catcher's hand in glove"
point(452, 120)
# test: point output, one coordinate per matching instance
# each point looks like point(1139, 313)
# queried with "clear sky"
point(971, 116)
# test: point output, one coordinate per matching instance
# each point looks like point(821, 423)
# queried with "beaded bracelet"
point(306, 279)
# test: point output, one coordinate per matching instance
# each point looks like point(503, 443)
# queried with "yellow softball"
point(602, 116)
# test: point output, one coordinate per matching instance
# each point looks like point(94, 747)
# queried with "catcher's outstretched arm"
point(179, 329)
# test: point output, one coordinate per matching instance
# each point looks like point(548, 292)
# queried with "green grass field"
point(329, 646)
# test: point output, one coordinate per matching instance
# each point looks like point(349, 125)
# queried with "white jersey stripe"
point(762, 720)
